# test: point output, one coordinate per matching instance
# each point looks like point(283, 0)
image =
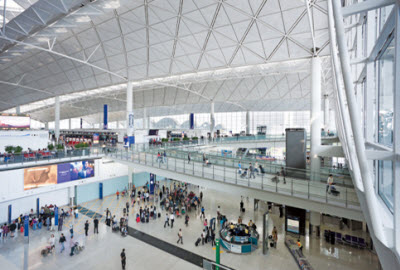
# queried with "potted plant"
point(18, 150)
point(50, 147)
point(164, 140)
point(9, 149)
point(195, 138)
point(177, 139)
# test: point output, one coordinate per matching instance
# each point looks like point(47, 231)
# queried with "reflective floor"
point(102, 250)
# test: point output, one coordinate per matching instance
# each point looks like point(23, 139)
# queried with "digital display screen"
point(153, 132)
point(40, 177)
point(293, 225)
point(57, 174)
point(14, 122)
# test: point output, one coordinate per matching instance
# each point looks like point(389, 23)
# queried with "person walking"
point(212, 238)
point(127, 208)
point(62, 241)
point(241, 205)
point(275, 236)
point(180, 237)
point(117, 194)
point(251, 170)
point(203, 237)
point(201, 196)
point(123, 259)
point(71, 230)
point(166, 220)
point(96, 225)
point(60, 223)
point(202, 212)
point(165, 156)
point(283, 173)
point(172, 218)
point(48, 223)
point(72, 246)
point(187, 220)
point(239, 168)
point(189, 158)
point(86, 227)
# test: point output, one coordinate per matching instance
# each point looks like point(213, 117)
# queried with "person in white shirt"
point(329, 183)
point(172, 218)
point(52, 242)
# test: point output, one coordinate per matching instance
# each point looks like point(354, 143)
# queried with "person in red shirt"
point(117, 194)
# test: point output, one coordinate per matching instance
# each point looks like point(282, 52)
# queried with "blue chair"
point(361, 243)
point(34, 226)
point(40, 225)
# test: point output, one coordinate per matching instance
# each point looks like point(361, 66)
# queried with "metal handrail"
point(293, 186)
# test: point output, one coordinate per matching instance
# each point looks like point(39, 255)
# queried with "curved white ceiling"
point(144, 39)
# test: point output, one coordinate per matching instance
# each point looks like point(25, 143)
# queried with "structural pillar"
point(247, 122)
point(315, 117)
point(18, 109)
point(57, 118)
point(212, 120)
point(130, 128)
point(315, 223)
point(46, 125)
point(145, 123)
point(130, 176)
point(69, 124)
point(326, 113)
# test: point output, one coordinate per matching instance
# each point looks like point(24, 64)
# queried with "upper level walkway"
point(14, 161)
point(293, 191)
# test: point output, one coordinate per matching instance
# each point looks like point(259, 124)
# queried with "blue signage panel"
point(56, 216)
point(100, 191)
point(152, 183)
point(105, 117)
point(9, 213)
point(26, 226)
point(191, 121)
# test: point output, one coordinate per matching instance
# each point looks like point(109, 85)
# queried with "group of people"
point(161, 157)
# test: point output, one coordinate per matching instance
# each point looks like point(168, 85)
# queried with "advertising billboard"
point(40, 176)
point(57, 174)
point(14, 122)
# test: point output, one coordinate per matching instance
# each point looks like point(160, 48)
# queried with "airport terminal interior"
point(200, 134)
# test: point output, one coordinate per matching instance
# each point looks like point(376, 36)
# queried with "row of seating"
point(354, 241)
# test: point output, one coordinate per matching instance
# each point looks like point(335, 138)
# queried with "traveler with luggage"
point(187, 220)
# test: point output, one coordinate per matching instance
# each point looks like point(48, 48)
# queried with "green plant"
point(177, 139)
point(195, 138)
point(164, 140)
point(59, 146)
point(185, 138)
point(50, 147)
point(9, 149)
point(81, 145)
point(18, 149)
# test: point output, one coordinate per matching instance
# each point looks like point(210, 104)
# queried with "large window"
point(385, 182)
point(385, 65)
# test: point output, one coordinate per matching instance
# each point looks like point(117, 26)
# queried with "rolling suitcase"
point(243, 210)
point(159, 215)
point(197, 242)
point(147, 220)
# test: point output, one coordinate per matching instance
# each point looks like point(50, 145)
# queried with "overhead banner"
point(14, 122)
point(57, 174)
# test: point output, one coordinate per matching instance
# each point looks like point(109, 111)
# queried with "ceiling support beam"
point(62, 55)
point(4, 17)
point(365, 6)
